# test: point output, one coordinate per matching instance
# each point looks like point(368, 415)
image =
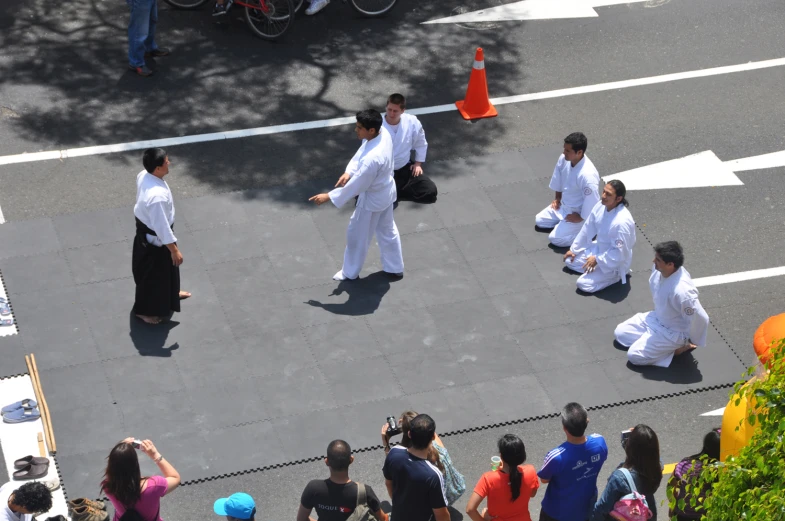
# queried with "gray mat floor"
point(271, 359)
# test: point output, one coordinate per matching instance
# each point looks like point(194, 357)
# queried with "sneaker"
point(88, 513)
point(316, 6)
point(222, 9)
point(83, 501)
point(21, 416)
point(144, 70)
point(157, 53)
point(5, 309)
point(27, 403)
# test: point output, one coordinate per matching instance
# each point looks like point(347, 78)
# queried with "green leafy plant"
point(750, 486)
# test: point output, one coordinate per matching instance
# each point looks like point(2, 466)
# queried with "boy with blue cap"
point(237, 506)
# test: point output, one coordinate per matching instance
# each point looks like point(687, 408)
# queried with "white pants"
point(592, 281)
point(359, 234)
point(563, 233)
point(647, 347)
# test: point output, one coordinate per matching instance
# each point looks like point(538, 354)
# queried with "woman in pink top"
point(125, 487)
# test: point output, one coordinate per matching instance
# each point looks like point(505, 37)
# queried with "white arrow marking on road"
point(716, 412)
point(533, 10)
point(697, 170)
point(703, 169)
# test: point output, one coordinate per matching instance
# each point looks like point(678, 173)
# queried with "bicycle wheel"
point(269, 19)
point(373, 8)
point(298, 4)
point(186, 4)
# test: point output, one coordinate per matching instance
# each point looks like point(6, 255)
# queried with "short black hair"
point(670, 251)
point(578, 141)
point(575, 419)
point(339, 455)
point(421, 431)
point(153, 158)
point(33, 497)
point(397, 99)
point(370, 119)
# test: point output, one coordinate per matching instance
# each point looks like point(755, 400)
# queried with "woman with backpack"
point(509, 488)
point(454, 482)
point(137, 498)
point(629, 494)
point(685, 474)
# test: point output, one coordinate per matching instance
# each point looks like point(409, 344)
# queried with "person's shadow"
point(683, 369)
point(614, 293)
point(150, 339)
point(365, 295)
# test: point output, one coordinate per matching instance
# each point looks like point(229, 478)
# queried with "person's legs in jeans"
point(149, 42)
point(139, 30)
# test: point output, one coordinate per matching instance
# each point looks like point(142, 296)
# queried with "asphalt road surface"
point(65, 84)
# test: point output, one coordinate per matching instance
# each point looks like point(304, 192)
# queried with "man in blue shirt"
point(571, 469)
point(415, 485)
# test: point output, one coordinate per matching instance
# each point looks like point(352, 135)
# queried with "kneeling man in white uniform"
point(576, 183)
point(678, 323)
point(608, 259)
point(368, 175)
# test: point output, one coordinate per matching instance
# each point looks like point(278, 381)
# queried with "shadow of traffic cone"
point(477, 105)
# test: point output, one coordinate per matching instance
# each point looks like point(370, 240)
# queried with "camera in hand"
point(625, 435)
point(392, 427)
point(137, 444)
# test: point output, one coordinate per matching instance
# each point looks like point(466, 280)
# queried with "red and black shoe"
point(144, 70)
point(157, 53)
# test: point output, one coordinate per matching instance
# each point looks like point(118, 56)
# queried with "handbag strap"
point(630, 481)
point(361, 496)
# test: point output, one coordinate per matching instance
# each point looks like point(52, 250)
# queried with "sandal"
point(32, 472)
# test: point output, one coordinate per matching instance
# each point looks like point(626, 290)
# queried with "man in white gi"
point(407, 135)
point(678, 323)
point(576, 184)
point(368, 175)
point(156, 259)
point(608, 259)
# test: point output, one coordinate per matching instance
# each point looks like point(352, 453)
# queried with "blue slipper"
point(26, 403)
point(21, 416)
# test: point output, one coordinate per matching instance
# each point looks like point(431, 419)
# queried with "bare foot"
point(684, 349)
point(184, 295)
point(148, 319)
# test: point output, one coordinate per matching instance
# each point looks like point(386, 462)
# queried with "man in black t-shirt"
point(335, 498)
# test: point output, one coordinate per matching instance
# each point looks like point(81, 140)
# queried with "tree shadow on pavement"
point(65, 75)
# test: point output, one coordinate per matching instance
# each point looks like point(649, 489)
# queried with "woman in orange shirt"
point(507, 489)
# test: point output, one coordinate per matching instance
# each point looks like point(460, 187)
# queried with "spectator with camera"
point(415, 485)
point(640, 473)
point(454, 482)
point(137, 498)
point(20, 504)
point(507, 488)
point(337, 498)
point(571, 469)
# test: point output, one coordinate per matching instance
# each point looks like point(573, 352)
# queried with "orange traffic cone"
point(477, 105)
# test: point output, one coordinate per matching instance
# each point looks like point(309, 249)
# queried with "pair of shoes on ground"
point(83, 509)
point(316, 6)
point(144, 70)
point(222, 9)
point(22, 411)
point(31, 467)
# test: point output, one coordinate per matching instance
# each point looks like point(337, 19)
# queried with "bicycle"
point(268, 19)
point(367, 8)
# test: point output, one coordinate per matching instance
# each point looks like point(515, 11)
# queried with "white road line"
point(773, 160)
point(2, 218)
point(715, 412)
point(334, 122)
point(739, 276)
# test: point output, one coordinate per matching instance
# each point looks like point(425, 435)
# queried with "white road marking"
point(716, 412)
point(334, 122)
point(739, 276)
point(533, 10)
point(773, 160)
point(702, 169)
